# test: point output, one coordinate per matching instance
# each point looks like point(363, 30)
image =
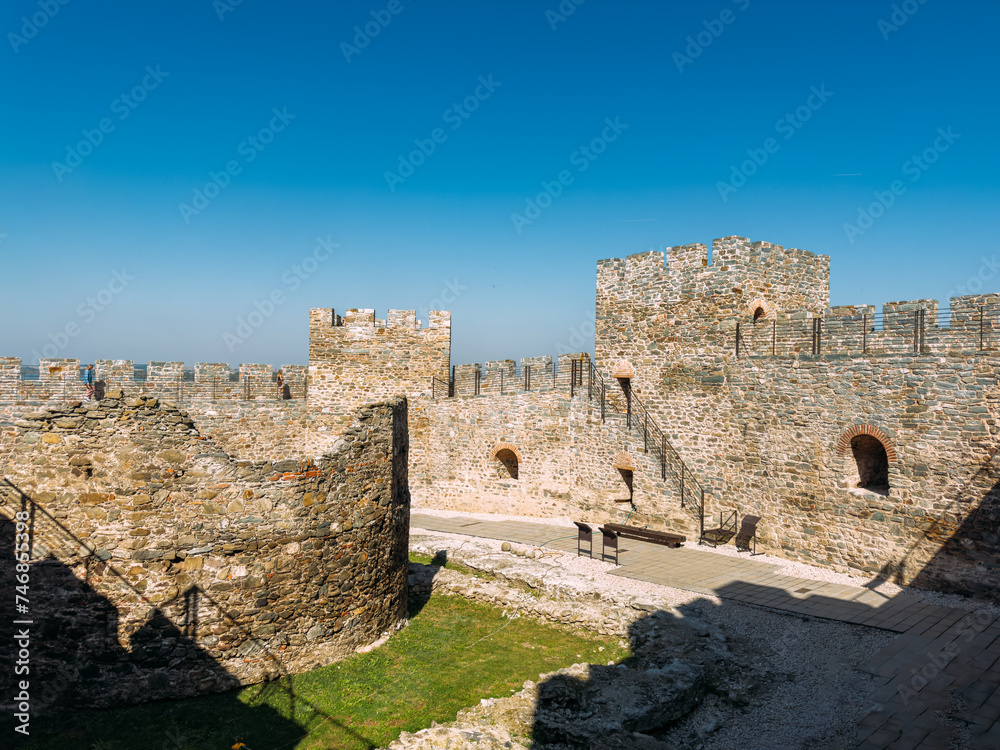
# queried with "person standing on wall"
point(88, 379)
point(280, 380)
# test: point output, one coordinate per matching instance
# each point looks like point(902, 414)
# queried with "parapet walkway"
point(937, 683)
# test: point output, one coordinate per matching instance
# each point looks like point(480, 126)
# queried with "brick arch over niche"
point(766, 311)
point(844, 441)
point(624, 460)
point(622, 369)
point(505, 447)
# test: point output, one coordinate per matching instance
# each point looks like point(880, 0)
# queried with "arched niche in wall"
point(624, 462)
point(509, 459)
point(760, 309)
point(623, 371)
point(870, 452)
point(622, 368)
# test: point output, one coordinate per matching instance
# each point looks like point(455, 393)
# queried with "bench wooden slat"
point(647, 535)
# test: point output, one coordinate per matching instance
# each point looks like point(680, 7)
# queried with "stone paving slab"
point(735, 578)
point(936, 687)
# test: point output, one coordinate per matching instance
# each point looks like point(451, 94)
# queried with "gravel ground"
point(804, 691)
point(785, 567)
point(798, 688)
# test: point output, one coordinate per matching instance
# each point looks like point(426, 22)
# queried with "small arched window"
point(873, 452)
point(508, 458)
point(508, 463)
point(758, 308)
point(872, 463)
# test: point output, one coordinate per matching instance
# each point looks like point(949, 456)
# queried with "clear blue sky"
point(182, 94)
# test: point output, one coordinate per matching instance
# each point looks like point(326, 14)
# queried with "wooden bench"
point(647, 535)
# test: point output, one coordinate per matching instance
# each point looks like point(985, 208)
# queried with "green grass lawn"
point(453, 653)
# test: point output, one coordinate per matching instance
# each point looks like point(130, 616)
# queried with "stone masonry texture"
point(762, 430)
point(163, 567)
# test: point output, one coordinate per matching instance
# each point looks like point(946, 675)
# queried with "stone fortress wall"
point(769, 429)
point(694, 305)
point(245, 413)
point(565, 456)
point(163, 567)
point(357, 359)
point(777, 434)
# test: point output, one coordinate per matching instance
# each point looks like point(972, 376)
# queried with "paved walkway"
point(937, 683)
point(937, 690)
point(736, 578)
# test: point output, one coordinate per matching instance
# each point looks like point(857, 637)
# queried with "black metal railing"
point(515, 378)
point(624, 403)
point(915, 331)
point(180, 390)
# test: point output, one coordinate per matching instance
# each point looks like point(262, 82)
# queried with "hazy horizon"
point(175, 172)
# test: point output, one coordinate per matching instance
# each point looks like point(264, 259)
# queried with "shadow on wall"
point(973, 548)
point(967, 554)
point(74, 644)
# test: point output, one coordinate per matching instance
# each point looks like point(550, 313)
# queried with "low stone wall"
point(269, 430)
point(565, 465)
point(163, 568)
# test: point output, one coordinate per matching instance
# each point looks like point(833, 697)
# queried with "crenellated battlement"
point(364, 318)
point(687, 307)
point(357, 358)
point(64, 378)
point(970, 325)
point(651, 283)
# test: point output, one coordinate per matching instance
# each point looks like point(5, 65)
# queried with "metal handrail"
point(638, 417)
point(180, 390)
point(919, 331)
